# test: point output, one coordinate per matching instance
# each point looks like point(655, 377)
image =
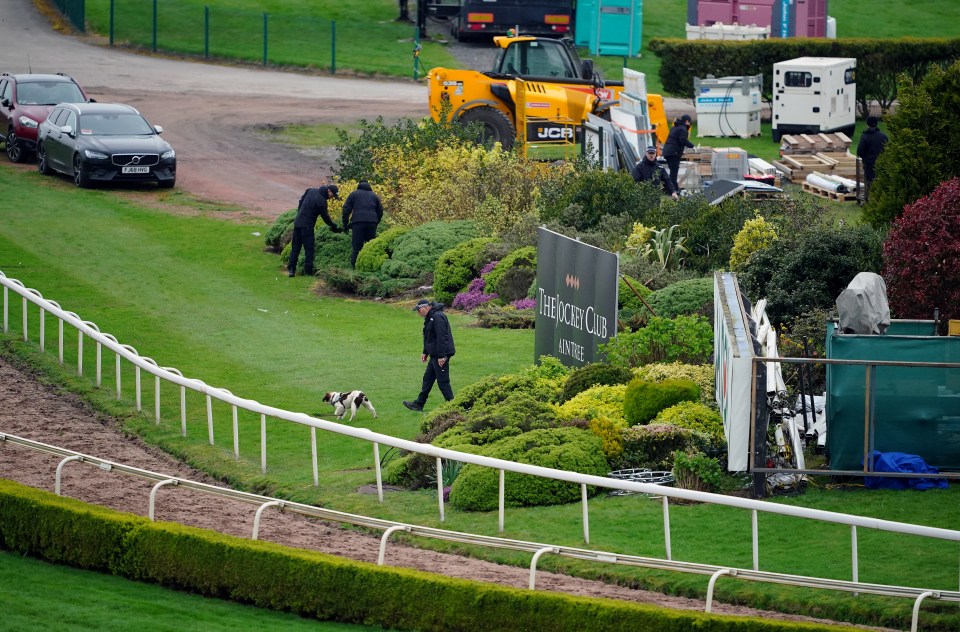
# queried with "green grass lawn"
point(93, 601)
point(199, 294)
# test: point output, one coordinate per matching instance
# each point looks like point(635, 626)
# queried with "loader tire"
point(495, 126)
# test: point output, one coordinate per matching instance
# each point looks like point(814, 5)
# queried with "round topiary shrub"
point(456, 267)
point(569, 449)
point(684, 298)
point(416, 252)
point(627, 298)
point(525, 257)
point(582, 378)
point(376, 251)
point(702, 374)
point(644, 400)
point(695, 416)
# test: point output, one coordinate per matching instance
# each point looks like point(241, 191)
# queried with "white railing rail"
point(537, 549)
point(376, 439)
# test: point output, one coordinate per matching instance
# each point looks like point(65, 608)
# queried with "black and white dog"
point(351, 400)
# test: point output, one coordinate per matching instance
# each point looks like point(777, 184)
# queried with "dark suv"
point(25, 102)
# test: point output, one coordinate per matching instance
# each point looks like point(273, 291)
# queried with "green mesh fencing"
point(914, 410)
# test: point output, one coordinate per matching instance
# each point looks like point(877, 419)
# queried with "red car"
point(25, 102)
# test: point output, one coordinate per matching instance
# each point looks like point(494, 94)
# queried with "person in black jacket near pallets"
point(362, 212)
point(648, 170)
point(871, 145)
point(313, 204)
point(677, 141)
point(438, 349)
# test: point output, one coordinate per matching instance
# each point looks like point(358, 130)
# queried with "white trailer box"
point(814, 94)
point(728, 106)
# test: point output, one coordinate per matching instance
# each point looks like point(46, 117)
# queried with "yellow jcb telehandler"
point(557, 89)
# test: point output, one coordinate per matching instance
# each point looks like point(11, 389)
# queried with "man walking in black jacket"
point(313, 204)
point(677, 140)
point(438, 349)
point(362, 212)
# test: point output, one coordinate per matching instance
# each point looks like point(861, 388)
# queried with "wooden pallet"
point(813, 143)
point(828, 194)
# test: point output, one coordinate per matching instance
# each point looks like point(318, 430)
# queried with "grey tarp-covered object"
point(863, 305)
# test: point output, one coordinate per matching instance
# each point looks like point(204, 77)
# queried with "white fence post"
point(263, 443)
point(376, 464)
point(586, 515)
point(440, 486)
point(43, 326)
point(501, 503)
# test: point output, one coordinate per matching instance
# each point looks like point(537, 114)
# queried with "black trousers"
point(673, 163)
point(301, 237)
point(439, 374)
point(362, 232)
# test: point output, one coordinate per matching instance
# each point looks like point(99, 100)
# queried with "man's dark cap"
point(686, 118)
point(872, 121)
point(652, 148)
point(332, 188)
point(421, 303)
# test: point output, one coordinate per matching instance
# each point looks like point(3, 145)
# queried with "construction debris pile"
point(821, 163)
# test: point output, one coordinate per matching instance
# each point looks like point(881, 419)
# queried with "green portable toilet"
point(615, 29)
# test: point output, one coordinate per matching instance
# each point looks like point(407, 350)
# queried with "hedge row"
point(879, 61)
point(66, 531)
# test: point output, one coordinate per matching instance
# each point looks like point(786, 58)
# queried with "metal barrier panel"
point(74, 11)
point(893, 408)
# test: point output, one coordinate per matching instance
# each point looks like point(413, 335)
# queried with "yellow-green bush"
point(610, 432)
point(755, 235)
point(644, 400)
point(598, 401)
point(460, 181)
point(695, 416)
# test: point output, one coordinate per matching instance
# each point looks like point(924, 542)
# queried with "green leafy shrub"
point(415, 252)
point(922, 256)
point(590, 193)
point(809, 272)
point(626, 297)
point(684, 298)
point(702, 374)
point(505, 317)
point(653, 445)
point(644, 400)
point(376, 251)
point(605, 400)
point(594, 374)
point(521, 258)
point(697, 471)
point(755, 235)
point(281, 232)
point(921, 152)
point(569, 449)
point(520, 412)
point(687, 339)
point(457, 266)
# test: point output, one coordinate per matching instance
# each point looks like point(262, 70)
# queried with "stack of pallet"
point(802, 154)
point(702, 159)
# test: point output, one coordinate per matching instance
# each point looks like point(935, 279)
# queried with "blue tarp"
point(900, 462)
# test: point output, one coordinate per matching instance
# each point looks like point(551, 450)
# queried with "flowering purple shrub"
point(524, 303)
point(474, 296)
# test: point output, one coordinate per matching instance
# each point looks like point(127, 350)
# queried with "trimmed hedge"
point(376, 251)
point(457, 267)
point(312, 584)
point(644, 400)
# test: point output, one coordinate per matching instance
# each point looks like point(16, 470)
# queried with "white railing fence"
point(173, 376)
point(537, 549)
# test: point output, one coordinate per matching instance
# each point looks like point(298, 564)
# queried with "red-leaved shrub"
point(921, 256)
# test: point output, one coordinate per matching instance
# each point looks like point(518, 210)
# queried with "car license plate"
point(135, 170)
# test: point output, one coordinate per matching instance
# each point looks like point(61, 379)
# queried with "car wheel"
point(80, 176)
point(14, 152)
point(42, 165)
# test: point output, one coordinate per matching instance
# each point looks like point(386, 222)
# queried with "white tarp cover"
point(863, 307)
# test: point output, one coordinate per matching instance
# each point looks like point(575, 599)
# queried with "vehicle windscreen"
point(48, 93)
point(126, 124)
